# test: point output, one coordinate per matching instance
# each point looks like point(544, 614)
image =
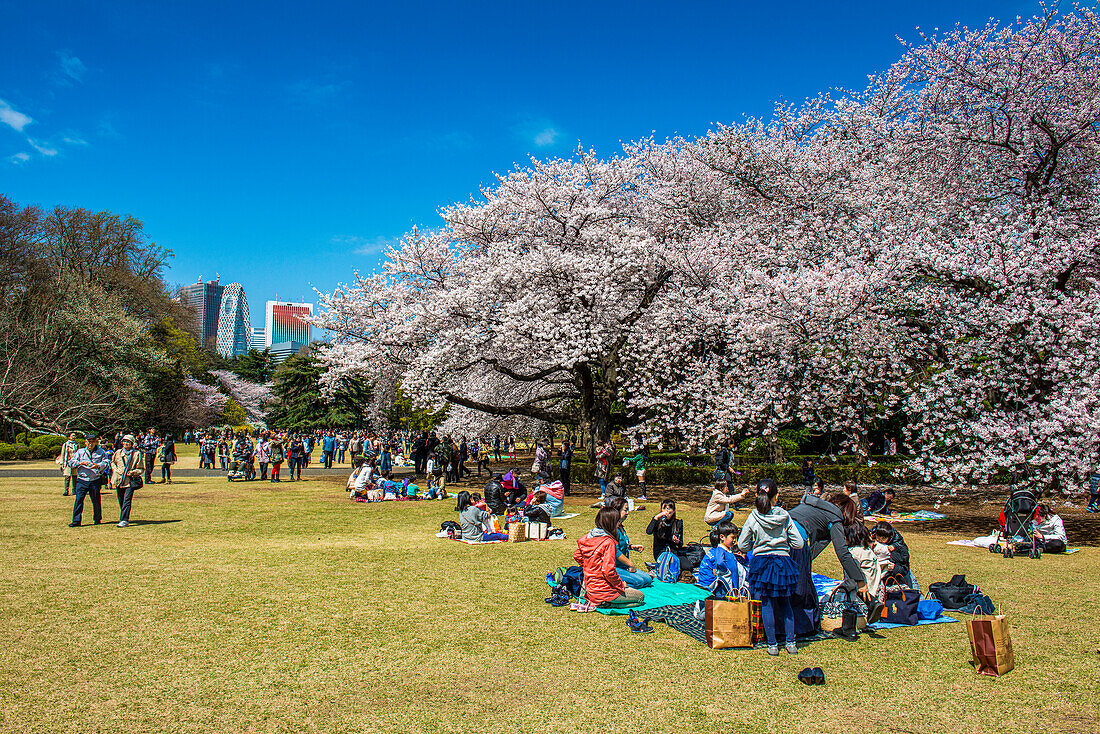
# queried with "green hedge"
point(10, 452)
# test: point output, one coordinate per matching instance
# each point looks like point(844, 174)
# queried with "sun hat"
point(128, 437)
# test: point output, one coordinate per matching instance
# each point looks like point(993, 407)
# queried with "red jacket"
point(596, 556)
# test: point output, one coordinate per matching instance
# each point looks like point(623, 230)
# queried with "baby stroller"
point(1017, 526)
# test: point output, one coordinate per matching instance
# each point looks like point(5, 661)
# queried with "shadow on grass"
point(153, 522)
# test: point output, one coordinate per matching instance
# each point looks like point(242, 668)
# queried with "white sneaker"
point(123, 524)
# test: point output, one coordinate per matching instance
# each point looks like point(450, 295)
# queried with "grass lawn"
point(271, 608)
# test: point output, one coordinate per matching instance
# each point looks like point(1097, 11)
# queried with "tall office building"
point(234, 325)
point(206, 300)
point(221, 315)
point(281, 323)
point(258, 339)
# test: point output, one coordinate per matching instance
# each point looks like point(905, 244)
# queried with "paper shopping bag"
point(990, 645)
point(517, 531)
point(729, 623)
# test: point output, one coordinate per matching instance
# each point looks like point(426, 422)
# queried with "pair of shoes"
point(123, 524)
point(582, 606)
point(638, 624)
point(559, 597)
point(650, 566)
point(792, 648)
point(643, 498)
point(773, 649)
point(74, 525)
point(812, 676)
point(98, 522)
point(66, 494)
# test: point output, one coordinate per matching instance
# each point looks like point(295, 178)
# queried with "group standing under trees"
point(925, 248)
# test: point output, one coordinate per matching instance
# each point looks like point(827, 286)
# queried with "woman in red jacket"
point(596, 553)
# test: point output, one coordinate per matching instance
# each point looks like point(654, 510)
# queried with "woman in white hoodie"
point(770, 536)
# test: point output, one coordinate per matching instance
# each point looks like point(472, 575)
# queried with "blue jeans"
point(634, 579)
point(1094, 489)
point(728, 517)
point(494, 536)
point(769, 607)
point(603, 487)
point(341, 456)
point(82, 489)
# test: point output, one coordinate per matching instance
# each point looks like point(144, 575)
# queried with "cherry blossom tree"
point(251, 396)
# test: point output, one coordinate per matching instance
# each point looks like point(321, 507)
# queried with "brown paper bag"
point(729, 623)
point(517, 531)
point(990, 645)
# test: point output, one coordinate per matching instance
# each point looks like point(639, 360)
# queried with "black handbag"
point(901, 606)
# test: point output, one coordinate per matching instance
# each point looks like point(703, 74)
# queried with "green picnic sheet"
point(660, 594)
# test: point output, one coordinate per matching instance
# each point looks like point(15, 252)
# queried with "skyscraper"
point(281, 323)
point(258, 339)
point(206, 300)
point(234, 325)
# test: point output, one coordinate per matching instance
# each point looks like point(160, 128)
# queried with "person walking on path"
point(90, 464)
point(127, 466)
point(149, 445)
point(68, 448)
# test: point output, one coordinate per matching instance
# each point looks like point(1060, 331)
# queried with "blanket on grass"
point(985, 541)
point(442, 534)
point(680, 616)
point(920, 516)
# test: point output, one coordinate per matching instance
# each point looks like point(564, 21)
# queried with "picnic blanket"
point(443, 534)
point(920, 516)
point(985, 541)
point(681, 618)
point(660, 594)
point(567, 516)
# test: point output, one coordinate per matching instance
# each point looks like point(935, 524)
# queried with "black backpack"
point(452, 528)
point(952, 594)
point(691, 555)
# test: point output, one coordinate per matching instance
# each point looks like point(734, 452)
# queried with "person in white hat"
point(127, 466)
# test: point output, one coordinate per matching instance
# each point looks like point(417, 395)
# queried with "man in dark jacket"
point(494, 495)
point(566, 454)
point(898, 571)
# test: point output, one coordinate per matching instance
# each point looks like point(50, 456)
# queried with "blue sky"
point(282, 144)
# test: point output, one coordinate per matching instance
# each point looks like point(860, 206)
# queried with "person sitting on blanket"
point(878, 503)
point(667, 530)
point(474, 520)
point(494, 495)
point(718, 509)
point(627, 570)
point(360, 479)
point(597, 554)
point(514, 490)
point(617, 490)
point(817, 489)
point(1050, 530)
point(721, 571)
point(859, 544)
point(893, 554)
point(539, 510)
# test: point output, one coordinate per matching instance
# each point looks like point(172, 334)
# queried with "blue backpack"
point(668, 567)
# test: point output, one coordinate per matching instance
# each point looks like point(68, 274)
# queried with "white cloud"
point(72, 66)
point(13, 118)
point(365, 245)
point(546, 137)
point(44, 148)
point(74, 140)
point(20, 158)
